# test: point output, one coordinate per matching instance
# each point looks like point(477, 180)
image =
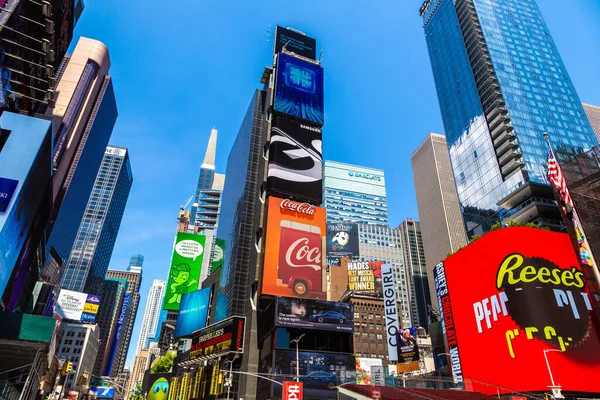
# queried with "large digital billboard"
point(295, 161)
point(363, 369)
point(315, 314)
point(218, 255)
point(342, 240)
point(293, 264)
point(299, 89)
point(295, 42)
point(365, 276)
point(185, 268)
point(390, 306)
point(511, 295)
point(77, 306)
point(223, 337)
point(193, 312)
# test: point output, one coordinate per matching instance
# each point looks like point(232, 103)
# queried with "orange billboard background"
point(293, 265)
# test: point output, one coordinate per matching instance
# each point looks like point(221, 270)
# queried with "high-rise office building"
point(135, 263)
point(442, 226)
point(98, 229)
point(114, 297)
point(416, 272)
point(134, 280)
point(354, 194)
point(151, 313)
point(501, 84)
point(78, 344)
point(382, 243)
point(593, 114)
point(140, 364)
point(84, 117)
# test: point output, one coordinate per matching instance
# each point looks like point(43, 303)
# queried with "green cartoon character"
point(181, 275)
point(159, 390)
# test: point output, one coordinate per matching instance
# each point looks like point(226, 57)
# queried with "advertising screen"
point(408, 347)
point(185, 268)
point(7, 189)
point(315, 314)
point(293, 264)
point(223, 337)
point(295, 161)
point(365, 276)
point(512, 294)
point(77, 306)
point(218, 254)
point(390, 306)
point(156, 385)
point(292, 390)
point(299, 89)
point(320, 373)
point(363, 369)
point(342, 240)
point(295, 42)
point(192, 312)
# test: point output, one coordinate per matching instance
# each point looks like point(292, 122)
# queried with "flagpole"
point(584, 250)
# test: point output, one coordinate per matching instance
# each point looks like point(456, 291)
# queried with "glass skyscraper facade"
point(95, 240)
point(501, 84)
point(354, 194)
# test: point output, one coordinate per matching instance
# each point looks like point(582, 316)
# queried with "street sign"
point(103, 392)
point(292, 390)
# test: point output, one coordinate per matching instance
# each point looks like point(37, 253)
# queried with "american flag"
point(556, 177)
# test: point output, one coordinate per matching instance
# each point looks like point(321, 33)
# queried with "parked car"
point(333, 317)
point(319, 379)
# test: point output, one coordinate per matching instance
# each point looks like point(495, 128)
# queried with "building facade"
point(151, 313)
point(593, 114)
point(380, 243)
point(84, 117)
point(140, 364)
point(442, 226)
point(88, 262)
point(134, 280)
point(370, 338)
point(79, 344)
point(416, 272)
point(354, 194)
point(501, 84)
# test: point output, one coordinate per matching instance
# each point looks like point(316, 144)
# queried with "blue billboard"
point(122, 315)
point(299, 89)
point(193, 312)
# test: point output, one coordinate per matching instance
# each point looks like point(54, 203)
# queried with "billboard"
point(7, 189)
point(292, 390)
point(299, 89)
point(295, 161)
point(363, 369)
point(408, 347)
point(185, 268)
point(218, 255)
point(390, 306)
point(77, 306)
point(295, 42)
point(342, 240)
point(156, 385)
point(293, 264)
point(315, 314)
point(223, 337)
point(365, 276)
point(193, 312)
point(124, 308)
point(529, 296)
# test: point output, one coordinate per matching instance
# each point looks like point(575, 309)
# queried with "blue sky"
point(183, 68)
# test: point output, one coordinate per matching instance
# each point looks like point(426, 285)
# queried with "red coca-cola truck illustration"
point(299, 267)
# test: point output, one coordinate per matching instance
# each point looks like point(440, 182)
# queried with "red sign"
point(303, 208)
point(292, 390)
point(509, 296)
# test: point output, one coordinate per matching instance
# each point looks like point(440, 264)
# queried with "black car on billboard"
point(329, 316)
point(319, 379)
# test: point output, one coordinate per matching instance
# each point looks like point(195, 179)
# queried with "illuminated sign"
point(7, 189)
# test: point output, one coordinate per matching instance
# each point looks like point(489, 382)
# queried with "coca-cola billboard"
point(294, 250)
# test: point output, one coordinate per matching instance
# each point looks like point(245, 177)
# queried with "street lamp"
point(297, 358)
point(230, 383)
point(555, 389)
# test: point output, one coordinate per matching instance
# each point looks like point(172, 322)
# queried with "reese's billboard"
point(223, 337)
point(315, 314)
point(510, 295)
point(342, 240)
point(293, 264)
point(295, 161)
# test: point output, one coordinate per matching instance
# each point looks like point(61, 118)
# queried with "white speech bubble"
point(218, 256)
point(189, 249)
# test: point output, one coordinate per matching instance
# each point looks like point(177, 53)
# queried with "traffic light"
point(66, 368)
point(83, 379)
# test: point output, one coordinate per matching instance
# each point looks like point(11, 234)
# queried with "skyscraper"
point(133, 276)
point(135, 263)
point(593, 114)
point(84, 117)
point(501, 84)
point(151, 314)
point(78, 344)
point(98, 229)
point(442, 225)
point(416, 272)
point(355, 194)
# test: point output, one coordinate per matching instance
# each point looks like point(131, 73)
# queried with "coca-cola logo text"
point(299, 255)
point(303, 208)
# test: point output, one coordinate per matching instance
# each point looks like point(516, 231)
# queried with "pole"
point(548, 365)
point(297, 357)
point(230, 379)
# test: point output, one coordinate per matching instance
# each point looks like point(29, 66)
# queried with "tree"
point(137, 393)
point(164, 364)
